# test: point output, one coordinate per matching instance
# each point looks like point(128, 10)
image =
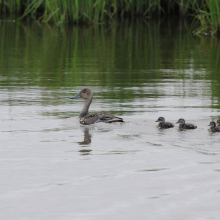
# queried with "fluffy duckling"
point(163, 125)
point(184, 126)
point(218, 123)
point(213, 127)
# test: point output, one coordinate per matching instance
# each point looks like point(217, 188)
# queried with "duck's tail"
point(115, 119)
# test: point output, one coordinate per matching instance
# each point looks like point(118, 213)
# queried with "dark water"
point(54, 168)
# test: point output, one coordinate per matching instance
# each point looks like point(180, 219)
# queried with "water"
point(54, 168)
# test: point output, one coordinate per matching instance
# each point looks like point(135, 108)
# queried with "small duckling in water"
point(184, 126)
point(163, 125)
point(213, 127)
point(218, 123)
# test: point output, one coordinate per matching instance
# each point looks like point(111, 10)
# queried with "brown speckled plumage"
point(86, 118)
point(185, 126)
point(218, 123)
point(164, 125)
point(213, 127)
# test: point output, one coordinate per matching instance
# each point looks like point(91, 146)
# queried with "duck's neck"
point(85, 109)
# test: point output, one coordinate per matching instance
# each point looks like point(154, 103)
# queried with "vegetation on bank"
point(204, 14)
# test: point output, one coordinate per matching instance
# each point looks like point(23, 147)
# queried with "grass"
point(205, 14)
point(206, 17)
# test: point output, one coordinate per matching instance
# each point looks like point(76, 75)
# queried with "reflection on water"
point(86, 141)
point(85, 151)
point(128, 61)
point(152, 170)
point(87, 137)
point(139, 70)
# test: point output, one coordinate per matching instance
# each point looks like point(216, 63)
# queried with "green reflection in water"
point(117, 57)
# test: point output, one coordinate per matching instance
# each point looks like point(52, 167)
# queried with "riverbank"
point(204, 15)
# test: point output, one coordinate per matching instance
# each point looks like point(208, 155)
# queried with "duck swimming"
point(184, 125)
point(213, 127)
point(218, 123)
point(85, 117)
point(163, 125)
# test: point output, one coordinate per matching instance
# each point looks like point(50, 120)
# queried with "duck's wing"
point(108, 118)
point(168, 125)
point(91, 119)
point(190, 126)
point(217, 129)
point(101, 117)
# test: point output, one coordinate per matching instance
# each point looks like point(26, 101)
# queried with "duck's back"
point(166, 125)
point(216, 129)
point(101, 117)
point(189, 126)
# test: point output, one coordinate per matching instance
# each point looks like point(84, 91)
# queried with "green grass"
point(205, 14)
point(206, 17)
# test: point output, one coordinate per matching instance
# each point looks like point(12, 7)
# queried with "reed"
point(213, 17)
point(205, 13)
point(206, 18)
point(88, 10)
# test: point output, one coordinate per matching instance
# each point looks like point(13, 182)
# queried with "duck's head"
point(212, 124)
point(181, 121)
point(83, 94)
point(161, 119)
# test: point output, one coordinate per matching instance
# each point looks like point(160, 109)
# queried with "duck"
point(218, 123)
point(184, 126)
point(162, 124)
point(85, 117)
point(213, 127)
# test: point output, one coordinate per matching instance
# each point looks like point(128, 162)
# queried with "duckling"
point(213, 127)
point(86, 118)
point(184, 125)
point(218, 123)
point(162, 124)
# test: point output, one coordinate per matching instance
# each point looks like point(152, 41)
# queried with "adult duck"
point(85, 117)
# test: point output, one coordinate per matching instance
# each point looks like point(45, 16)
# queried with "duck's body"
point(218, 123)
point(86, 118)
point(213, 127)
point(99, 117)
point(164, 125)
point(185, 126)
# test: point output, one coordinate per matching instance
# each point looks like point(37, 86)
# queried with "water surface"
point(54, 168)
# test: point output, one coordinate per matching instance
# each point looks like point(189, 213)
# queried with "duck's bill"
point(75, 97)
point(177, 122)
point(156, 121)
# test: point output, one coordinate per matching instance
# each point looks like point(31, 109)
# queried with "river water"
point(54, 168)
